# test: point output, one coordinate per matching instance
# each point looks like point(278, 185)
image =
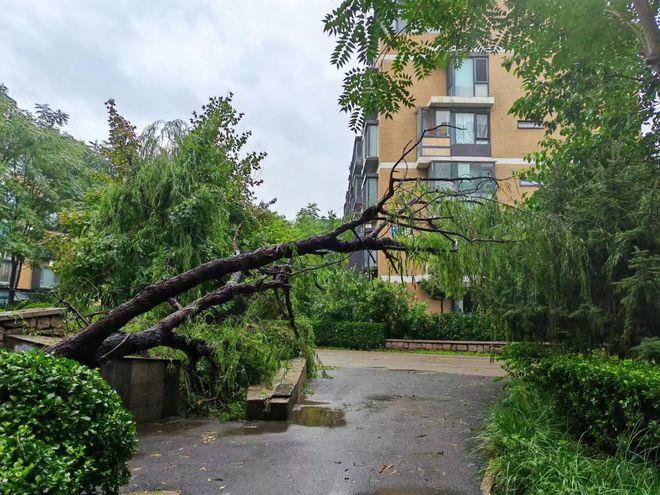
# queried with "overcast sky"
point(162, 59)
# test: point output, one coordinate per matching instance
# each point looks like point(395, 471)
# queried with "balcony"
point(467, 132)
point(461, 102)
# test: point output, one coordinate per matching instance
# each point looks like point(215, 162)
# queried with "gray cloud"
point(162, 60)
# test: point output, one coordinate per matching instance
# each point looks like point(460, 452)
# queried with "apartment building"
point(474, 97)
point(32, 281)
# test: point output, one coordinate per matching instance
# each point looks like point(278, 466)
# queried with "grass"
point(530, 452)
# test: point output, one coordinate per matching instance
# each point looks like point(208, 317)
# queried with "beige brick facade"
point(509, 144)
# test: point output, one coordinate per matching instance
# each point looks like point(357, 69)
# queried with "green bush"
point(456, 326)
point(604, 399)
point(648, 350)
point(350, 334)
point(63, 430)
point(530, 451)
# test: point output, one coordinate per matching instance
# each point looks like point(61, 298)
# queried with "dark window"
point(529, 124)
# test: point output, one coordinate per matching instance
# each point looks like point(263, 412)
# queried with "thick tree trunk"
point(647, 19)
point(121, 344)
point(85, 345)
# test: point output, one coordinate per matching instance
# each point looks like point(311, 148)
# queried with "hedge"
point(605, 400)
point(456, 326)
point(350, 334)
point(63, 430)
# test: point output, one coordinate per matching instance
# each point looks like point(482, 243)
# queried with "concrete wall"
point(149, 388)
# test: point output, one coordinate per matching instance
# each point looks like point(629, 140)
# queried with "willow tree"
point(589, 70)
point(172, 200)
point(181, 298)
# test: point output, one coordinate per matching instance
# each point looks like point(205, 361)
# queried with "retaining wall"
point(446, 345)
point(43, 321)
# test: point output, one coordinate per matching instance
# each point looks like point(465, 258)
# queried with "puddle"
point(318, 416)
point(174, 426)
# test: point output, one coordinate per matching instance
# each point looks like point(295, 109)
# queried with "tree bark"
point(14, 277)
point(121, 344)
point(85, 344)
point(647, 20)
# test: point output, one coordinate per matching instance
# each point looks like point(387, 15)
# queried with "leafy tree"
point(43, 171)
point(585, 261)
point(174, 198)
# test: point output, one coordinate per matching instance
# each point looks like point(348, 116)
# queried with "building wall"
point(509, 145)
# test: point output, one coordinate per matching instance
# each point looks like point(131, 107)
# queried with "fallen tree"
point(406, 203)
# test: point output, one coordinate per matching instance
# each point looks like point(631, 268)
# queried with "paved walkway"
point(445, 363)
point(384, 423)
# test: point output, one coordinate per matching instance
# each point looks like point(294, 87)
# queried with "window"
point(529, 183)
point(466, 127)
point(469, 177)
point(400, 25)
point(471, 128)
point(529, 124)
point(47, 278)
point(432, 119)
point(470, 78)
point(371, 190)
point(5, 271)
point(371, 141)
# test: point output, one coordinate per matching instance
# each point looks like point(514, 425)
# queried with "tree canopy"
point(43, 171)
point(583, 263)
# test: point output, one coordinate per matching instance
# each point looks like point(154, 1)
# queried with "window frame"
point(455, 186)
point(370, 135)
point(474, 126)
point(451, 76)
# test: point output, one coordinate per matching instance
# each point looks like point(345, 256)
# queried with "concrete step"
point(275, 402)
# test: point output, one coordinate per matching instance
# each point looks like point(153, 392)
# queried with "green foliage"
point(605, 400)
point(531, 452)
point(585, 262)
point(350, 334)
point(341, 294)
point(456, 326)
point(173, 201)
point(63, 430)
point(366, 29)
point(648, 349)
point(244, 354)
point(42, 171)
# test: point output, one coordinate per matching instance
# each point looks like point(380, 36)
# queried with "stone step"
point(275, 402)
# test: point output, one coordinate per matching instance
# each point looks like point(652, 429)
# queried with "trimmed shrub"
point(350, 334)
point(606, 400)
point(63, 430)
point(456, 326)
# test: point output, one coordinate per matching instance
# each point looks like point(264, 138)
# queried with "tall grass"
point(531, 452)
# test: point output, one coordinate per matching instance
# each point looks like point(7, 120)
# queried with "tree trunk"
point(647, 19)
point(86, 343)
point(14, 277)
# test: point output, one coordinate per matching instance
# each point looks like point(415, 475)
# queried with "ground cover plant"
point(531, 451)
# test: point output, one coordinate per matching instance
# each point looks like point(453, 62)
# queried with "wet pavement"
point(363, 431)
